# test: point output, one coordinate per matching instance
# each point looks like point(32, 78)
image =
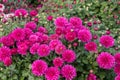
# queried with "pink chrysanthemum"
point(32, 25)
point(91, 76)
point(34, 48)
point(117, 58)
point(45, 38)
point(60, 21)
point(59, 30)
point(91, 46)
point(49, 18)
point(18, 34)
point(7, 61)
point(7, 40)
point(21, 12)
point(60, 48)
point(4, 52)
point(84, 35)
point(39, 67)
point(2, 7)
point(33, 13)
point(76, 22)
point(54, 43)
point(117, 68)
point(14, 51)
point(117, 77)
point(22, 48)
point(52, 73)
point(42, 29)
point(28, 32)
point(33, 38)
point(105, 60)
point(58, 62)
point(54, 36)
point(70, 36)
point(69, 56)
point(69, 72)
point(107, 41)
point(43, 50)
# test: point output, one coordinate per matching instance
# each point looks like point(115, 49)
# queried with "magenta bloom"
point(54, 43)
point(22, 48)
point(4, 53)
point(58, 62)
point(105, 60)
point(32, 25)
point(117, 77)
point(60, 21)
point(60, 48)
point(33, 38)
point(84, 35)
point(69, 72)
point(117, 68)
point(42, 29)
point(76, 22)
point(107, 41)
point(7, 61)
point(70, 36)
point(69, 56)
point(33, 13)
point(14, 51)
point(7, 40)
point(52, 73)
point(91, 76)
point(39, 67)
point(34, 48)
point(91, 46)
point(21, 12)
point(59, 30)
point(117, 58)
point(49, 18)
point(54, 37)
point(18, 34)
point(43, 50)
point(28, 32)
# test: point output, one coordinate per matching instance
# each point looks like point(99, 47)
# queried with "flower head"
point(76, 22)
point(52, 73)
point(33, 48)
point(70, 36)
point(18, 34)
point(117, 77)
point(91, 76)
point(7, 61)
point(31, 25)
point(49, 18)
point(60, 48)
point(60, 21)
point(105, 60)
point(117, 68)
point(21, 12)
point(54, 43)
point(91, 46)
point(84, 35)
point(107, 41)
point(117, 58)
point(43, 50)
point(39, 67)
point(69, 56)
point(33, 13)
point(69, 72)
point(58, 62)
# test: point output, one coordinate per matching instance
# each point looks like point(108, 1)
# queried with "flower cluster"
point(35, 40)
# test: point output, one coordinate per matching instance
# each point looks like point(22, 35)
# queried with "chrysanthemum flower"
point(33, 48)
point(33, 13)
point(107, 41)
point(76, 22)
point(105, 60)
point(117, 68)
point(60, 48)
point(18, 34)
point(7, 61)
point(4, 52)
point(31, 25)
point(21, 12)
point(117, 77)
point(54, 43)
point(84, 35)
point(69, 72)
point(69, 56)
point(58, 62)
point(70, 36)
point(60, 21)
point(39, 67)
point(91, 76)
point(33, 38)
point(52, 73)
point(43, 50)
point(91, 46)
point(117, 58)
